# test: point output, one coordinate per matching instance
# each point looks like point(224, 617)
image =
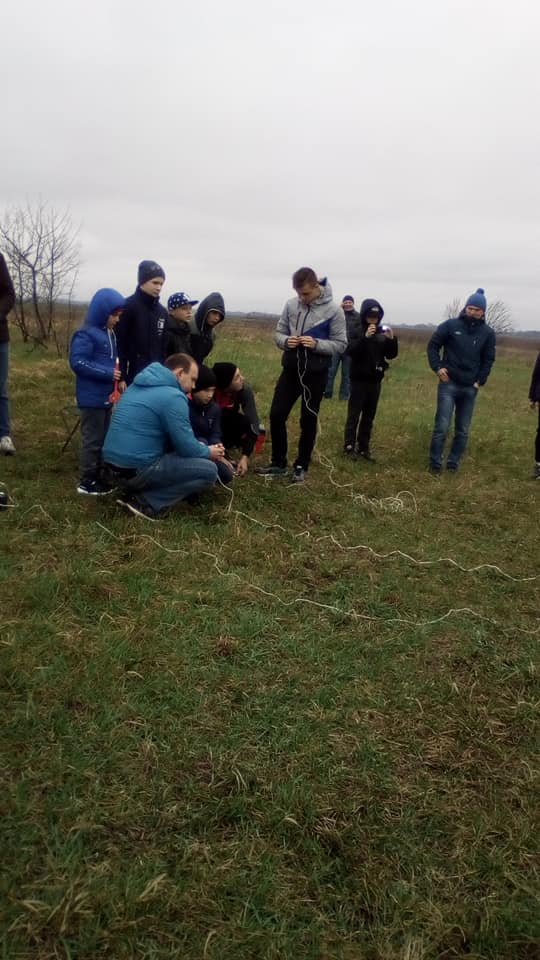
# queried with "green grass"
point(237, 733)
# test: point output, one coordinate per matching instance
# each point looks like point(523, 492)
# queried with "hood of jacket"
point(368, 305)
point(214, 301)
point(102, 305)
point(156, 375)
point(326, 294)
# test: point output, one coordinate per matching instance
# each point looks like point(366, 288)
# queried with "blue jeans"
point(4, 400)
point(451, 396)
point(345, 385)
point(171, 478)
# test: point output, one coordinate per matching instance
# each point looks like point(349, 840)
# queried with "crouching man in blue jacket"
point(468, 354)
point(150, 447)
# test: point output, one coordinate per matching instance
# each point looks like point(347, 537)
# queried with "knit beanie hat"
point(148, 269)
point(206, 378)
point(224, 373)
point(477, 300)
point(348, 296)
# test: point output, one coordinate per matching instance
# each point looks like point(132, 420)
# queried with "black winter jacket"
point(7, 299)
point(140, 334)
point(177, 337)
point(202, 336)
point(206, 421)
point(534, 389)
point(369, 354)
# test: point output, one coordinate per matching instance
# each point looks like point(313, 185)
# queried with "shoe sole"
point(135, 510)
point(94, 493)
point(272, 476)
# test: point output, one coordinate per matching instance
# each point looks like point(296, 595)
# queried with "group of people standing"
point(159, 425)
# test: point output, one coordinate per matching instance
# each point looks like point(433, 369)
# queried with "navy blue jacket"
point(369, 354)
point(7, 299)
point(92, 353)
point(206, 421)
point(534, 389)
point(468, 347)
point(140, 334)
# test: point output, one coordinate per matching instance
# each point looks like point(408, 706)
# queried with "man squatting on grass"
point(468, 354)
point(150, 447)
point(310, 331)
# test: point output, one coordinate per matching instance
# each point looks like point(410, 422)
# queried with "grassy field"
point(279, 725)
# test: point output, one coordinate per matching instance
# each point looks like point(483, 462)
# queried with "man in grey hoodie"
point(310, 331)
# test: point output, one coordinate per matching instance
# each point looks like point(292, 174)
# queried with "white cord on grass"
point(331, 608)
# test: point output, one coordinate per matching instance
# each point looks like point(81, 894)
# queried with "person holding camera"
point(371, 345)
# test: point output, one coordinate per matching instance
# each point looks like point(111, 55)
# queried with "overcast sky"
point(394, 147)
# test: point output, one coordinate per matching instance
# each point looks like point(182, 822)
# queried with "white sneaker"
point(7, 446)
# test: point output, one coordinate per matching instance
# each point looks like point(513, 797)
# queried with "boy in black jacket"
point(140, 333)
point(205, 417)
point(371, 344)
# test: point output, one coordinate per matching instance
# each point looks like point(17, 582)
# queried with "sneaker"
point(367, 455)
point(299, 475)
point(7, 446)
point(348, 451)
point(138, 508)
point(271, 471)
point(536, 474)
point(94, 488)
point(435, 469)
point(452, 467)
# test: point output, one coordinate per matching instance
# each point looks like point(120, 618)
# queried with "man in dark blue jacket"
point(7, 302)
point(468, 353)
point(534, 398)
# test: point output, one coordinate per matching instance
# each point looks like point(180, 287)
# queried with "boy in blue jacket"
point(92, 357)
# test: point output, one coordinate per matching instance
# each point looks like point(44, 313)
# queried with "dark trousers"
point(290, 386)
point(537, 441)
point(361, 413)
point(94, 425)
point(237, 431)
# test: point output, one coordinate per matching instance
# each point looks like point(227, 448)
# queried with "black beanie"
point(148, 269)
point(206, 378)
point(224, 373)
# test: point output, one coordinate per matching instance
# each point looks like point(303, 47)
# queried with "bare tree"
point(498, 314)
point(42, 248)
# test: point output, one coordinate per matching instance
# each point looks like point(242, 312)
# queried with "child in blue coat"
point(92, 357)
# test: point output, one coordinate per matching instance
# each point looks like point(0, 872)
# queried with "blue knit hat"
point(477, 299)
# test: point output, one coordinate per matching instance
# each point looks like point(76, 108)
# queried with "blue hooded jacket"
point(92, 353)
point(151, 419)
